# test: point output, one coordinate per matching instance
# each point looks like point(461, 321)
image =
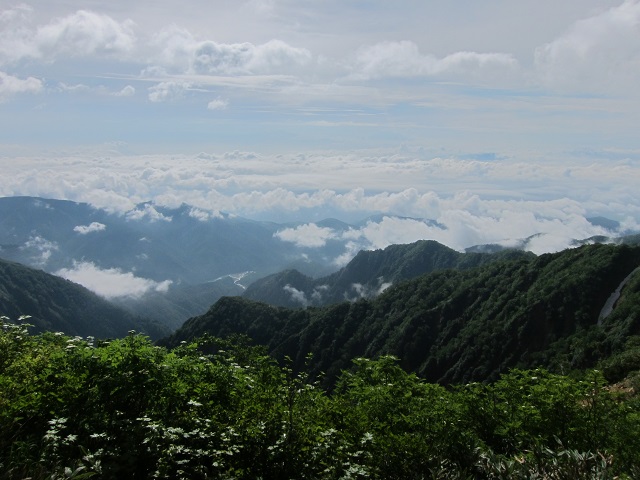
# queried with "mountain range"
point(169, 264)
point(459, 325)
point(449, 316)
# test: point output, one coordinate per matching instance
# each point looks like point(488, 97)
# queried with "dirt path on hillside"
point(613, 298)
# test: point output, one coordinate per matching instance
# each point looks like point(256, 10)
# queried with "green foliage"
point(79, 408)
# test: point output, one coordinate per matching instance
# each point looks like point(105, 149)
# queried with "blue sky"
point(298, 109)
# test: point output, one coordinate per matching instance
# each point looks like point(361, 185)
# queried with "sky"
point(498, 119)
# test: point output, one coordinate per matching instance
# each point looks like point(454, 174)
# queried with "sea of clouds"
point(467, 201)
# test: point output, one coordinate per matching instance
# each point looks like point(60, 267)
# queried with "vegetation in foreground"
point(79, 408)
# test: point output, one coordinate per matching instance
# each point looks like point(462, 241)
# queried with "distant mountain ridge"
point(368, 274)
point(171, 263)
point(181, 244)
point(457, 325)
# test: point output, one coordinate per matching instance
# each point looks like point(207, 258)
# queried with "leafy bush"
point(79, 408)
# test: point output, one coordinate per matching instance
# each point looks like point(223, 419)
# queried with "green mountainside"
point(58, 305)
point(454, 326)
point(368, 274)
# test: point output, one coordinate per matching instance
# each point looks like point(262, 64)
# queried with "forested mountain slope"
point(457, 325)
point(368, 274)
point(58, 305)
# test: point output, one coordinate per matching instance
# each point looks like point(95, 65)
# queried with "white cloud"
point(297, 296)
point(111, 282)
point(552, 226)
point(92, 227)
point(204, 215)
point(276, 56)
point(466, 221)
point(78, 87)
point(10, 86)
point(40, 248)
point(168, 91)
point(403, 59)
point(600, 52)
point(218, 104)
point(383, 286)
point(16, 38)
point(308, 235)
point(255, 184)
point(81, 33)
point(127, 91)
point(318, 293)
point(180, 52)
point(365, 291)
point(85, 33)
point(148, 212)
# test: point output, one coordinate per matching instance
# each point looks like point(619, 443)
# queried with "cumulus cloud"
point(146, 212)
point(307, 235)
point(359, 291)
point(599, 52)
point(79, 34)
point(111, 282)
point(297, 296)
point(168, 91)
point(84, 33)
point(204, 215)
point(253, 184)
point(403, 59)
point(40, 248)
point(92, 227)
point(318, 292)
point(539, 227)
point(218, 104)
point(180, 51)
point(10, 86)
point(127, 91)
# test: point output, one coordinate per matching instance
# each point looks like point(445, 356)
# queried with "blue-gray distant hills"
point(181, 244)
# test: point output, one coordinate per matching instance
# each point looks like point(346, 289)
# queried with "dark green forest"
point(459, 326)
point(81, 408)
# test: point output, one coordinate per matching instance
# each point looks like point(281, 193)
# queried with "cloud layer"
point(349, 186)
point(598, 50)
